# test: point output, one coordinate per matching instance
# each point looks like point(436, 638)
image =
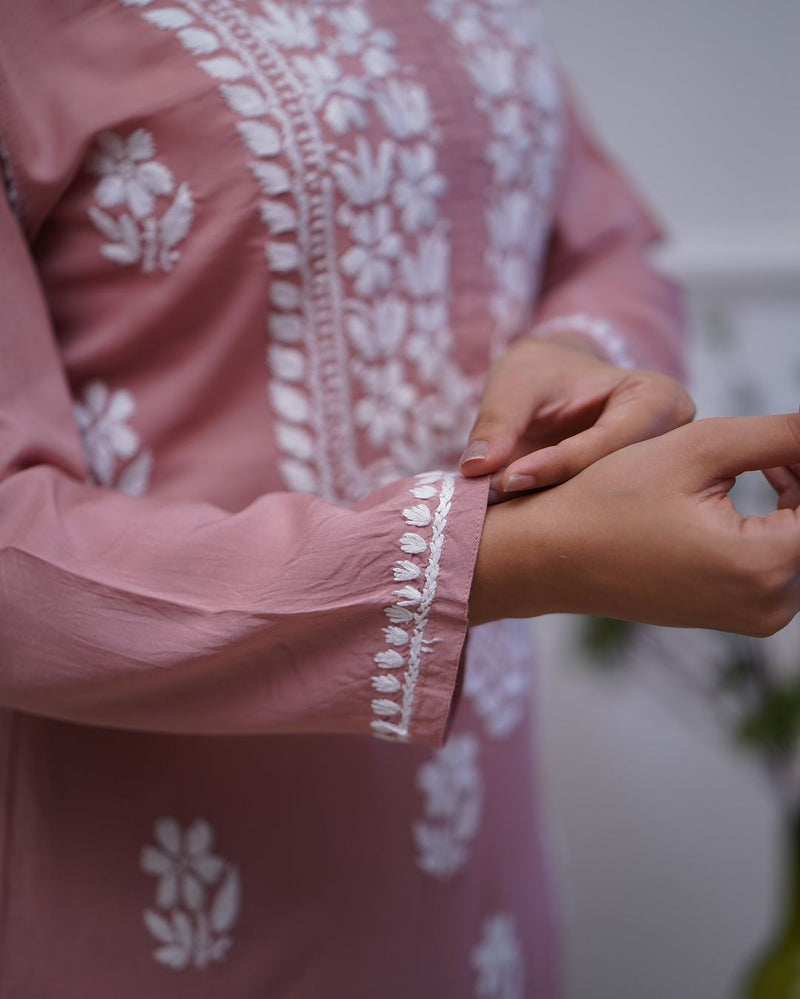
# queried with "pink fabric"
point(263, 255)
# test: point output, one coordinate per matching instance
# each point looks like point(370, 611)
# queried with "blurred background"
point(665, 838)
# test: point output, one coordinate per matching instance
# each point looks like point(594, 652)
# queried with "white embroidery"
point(132, 182)
point(497, 675)
point(498, 960)
point(453, 788)
point(382, 194)
point(501, 47)
point(113, 449)
point(600, 330)
point(408, 615)
point(198, 896)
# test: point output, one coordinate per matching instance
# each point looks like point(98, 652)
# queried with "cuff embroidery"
point(400, 662)
point(600, 330)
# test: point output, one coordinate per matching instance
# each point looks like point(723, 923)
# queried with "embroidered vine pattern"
point(502, 49)
point(359, 337)
point(399, 664)
point(452, 787)
point(498, 960)
point(139, 210)
point(497, 680)
point(113, 449)
point(198, 896)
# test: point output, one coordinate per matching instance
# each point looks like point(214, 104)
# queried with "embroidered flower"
point(497, 676)
point(405, 108)
point(286, 25)
point(498, 960)
point(133, 181)
point(385, 409)
point(377, 332)
point(453, 788)
point(108, 440)
point(370, 261)
point(128, 173)
point(415, 193)
point(198, 896)
point(358, 37)
point(364, 177)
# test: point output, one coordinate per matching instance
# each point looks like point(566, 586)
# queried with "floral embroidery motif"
point(353, 228)
point(408, 616)
point(453, 788)
point(198, 896)
point(498, 960)
point(113, 449)
point(502, 48)
point(131, 183)
point(601, 331)
point(497, 678)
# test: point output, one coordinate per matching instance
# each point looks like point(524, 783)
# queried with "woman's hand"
point(650, 534)
point(552, 407)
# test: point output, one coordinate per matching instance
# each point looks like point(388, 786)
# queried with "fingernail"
point(516, 483)
point(474, 451)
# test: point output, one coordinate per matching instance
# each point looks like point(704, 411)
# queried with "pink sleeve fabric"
point(598, 281)
point(292, 615)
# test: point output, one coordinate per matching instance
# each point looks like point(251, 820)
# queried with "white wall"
point(665, 838)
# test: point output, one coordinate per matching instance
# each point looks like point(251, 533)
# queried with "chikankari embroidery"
point(113, 449)
point(420, 547)
point(600, 330)
point(452, 786)
point(498, 960)
point(198, 896)
point(497, 675)
point(139, 210)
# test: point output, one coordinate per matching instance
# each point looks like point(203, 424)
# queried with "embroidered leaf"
point(177, 220)
point(169, 18)
point(285, 295)
point(408, 596)
point(387, 684)
point(387, 730)
point(385, 708)
point(278, 216)
point(398, 615)
point(273, 179)
point(198, 41)
point(244, 100)
point(417, 516)
point(423, 492)
point(405, 570)
point(283, 256)
point(299, 477)
point(105, 223)
point(287, 364)
point(295, 441)
point(134, 479)
point(287, 329)
point(413, 544)
point(395, 635)
point(175, 956)
point(225, 907)
point(261, 139)
point(389, 659)
point(223, 68)
point(289, 402)
point(158, 926)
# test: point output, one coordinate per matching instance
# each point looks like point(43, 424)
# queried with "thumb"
point(724, 447)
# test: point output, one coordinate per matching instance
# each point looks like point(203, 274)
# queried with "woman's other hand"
point(650, 534)
point(552, 407)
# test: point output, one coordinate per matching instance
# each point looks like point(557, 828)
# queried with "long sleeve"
point(598, 280)
point(291, 615)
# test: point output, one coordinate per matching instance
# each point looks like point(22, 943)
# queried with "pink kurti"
point(256, 259)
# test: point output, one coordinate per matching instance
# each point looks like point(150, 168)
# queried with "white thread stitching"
point(600, 330)
point(408, 615)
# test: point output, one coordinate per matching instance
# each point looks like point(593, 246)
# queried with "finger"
point(506, 406)
point(724, 447)
point(634, 413)
point(786, 483)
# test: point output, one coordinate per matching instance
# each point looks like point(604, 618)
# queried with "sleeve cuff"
point(600, 331)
